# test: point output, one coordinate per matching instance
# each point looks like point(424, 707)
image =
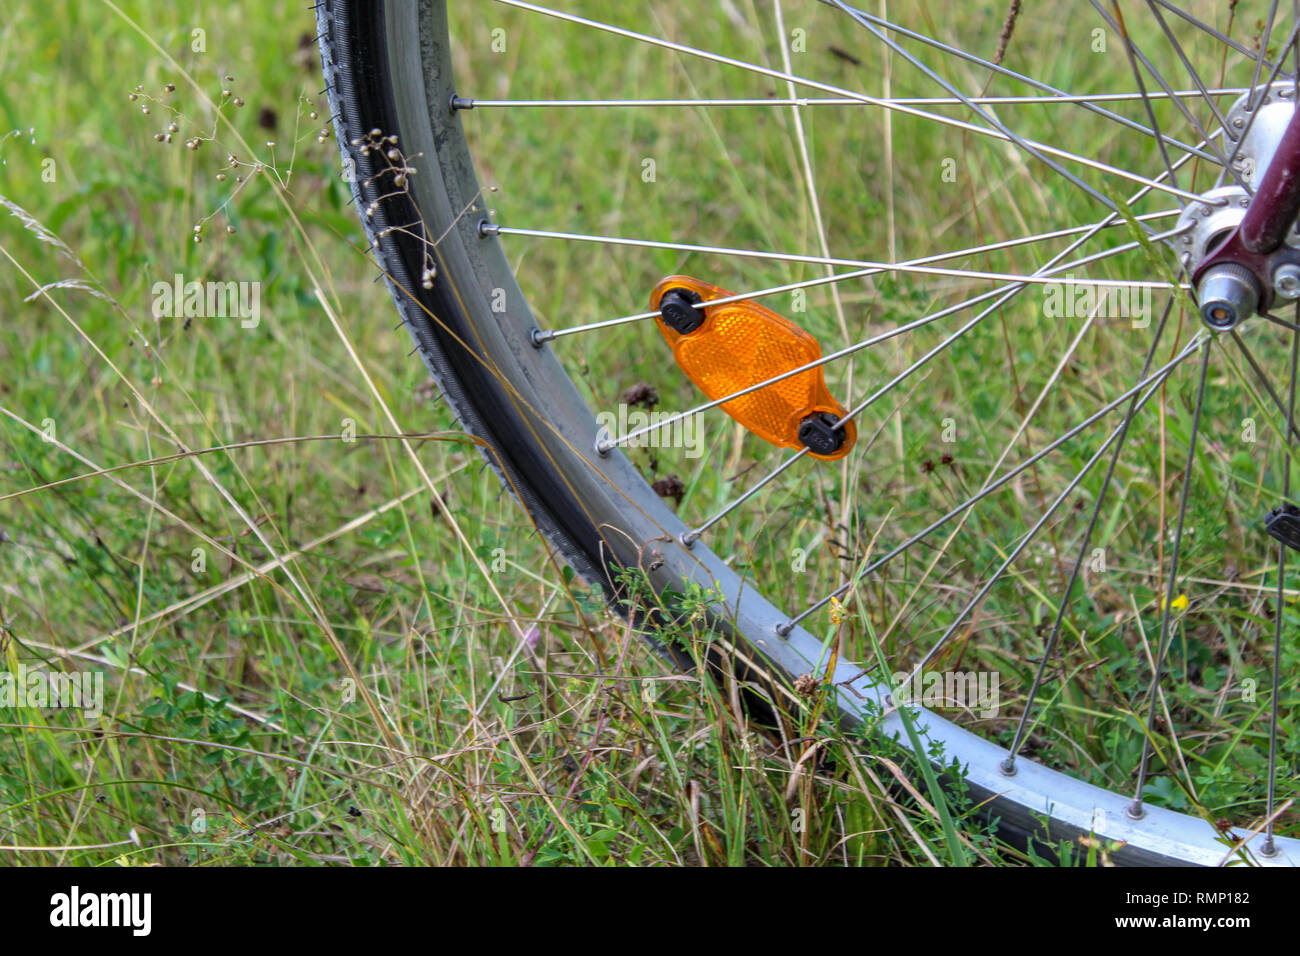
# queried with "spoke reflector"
point(740, 344)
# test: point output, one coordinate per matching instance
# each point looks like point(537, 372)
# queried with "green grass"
point(322, 644)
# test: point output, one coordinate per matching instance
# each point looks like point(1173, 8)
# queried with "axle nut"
point(1286, 280)
point(1228, 295)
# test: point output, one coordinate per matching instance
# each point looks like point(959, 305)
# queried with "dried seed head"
point(172, 128)
point(144, 110)
point(230, 230)
point(221, 177)
point(239, 101)
point(132, 97)
point(169, 88)
point(314, 115)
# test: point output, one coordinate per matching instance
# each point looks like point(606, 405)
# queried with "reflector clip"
point(1284, 524)
point(739, 344)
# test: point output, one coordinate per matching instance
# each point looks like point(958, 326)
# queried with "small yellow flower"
point(837, 612)
point(1179, 603)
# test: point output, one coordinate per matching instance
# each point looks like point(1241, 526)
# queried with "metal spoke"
point(1024, 541)
point(1259, 60)
point(1152, 383)
point(1038, 149)
point(1135, 809)
point(810, 182)
point(1117, 23)
point(1088, 102)
point(1241, 138)
point(546, 335)
point(689, 538)
point(1191, 72)
point(1289, 423)
point(1134, 54)
point(858, 409)
point(1137, 77)
point(1035, 149)
point(1203, 26)
point(1270, 848)
point(1065, 99)
point(1279, 321)
point(604, 446)
point(1049, 647)
point(491, 229)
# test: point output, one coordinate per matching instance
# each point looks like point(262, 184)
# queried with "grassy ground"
point(322, 645)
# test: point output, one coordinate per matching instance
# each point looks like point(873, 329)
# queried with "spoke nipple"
point(688, 539)
point(488, 228)
point(1269, 849)
point(539, 338)
point(603, 447)
point(461, 103)
point(783, 630)
point(1135, 810)
point(1008, 767)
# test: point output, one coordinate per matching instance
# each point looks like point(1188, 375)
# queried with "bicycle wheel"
point(404, 126)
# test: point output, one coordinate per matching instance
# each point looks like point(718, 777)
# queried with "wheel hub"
point(1241, 243)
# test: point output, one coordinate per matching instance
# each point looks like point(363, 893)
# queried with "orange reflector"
point(742, 343)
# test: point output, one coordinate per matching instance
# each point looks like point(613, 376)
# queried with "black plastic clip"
point(1284, 524)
